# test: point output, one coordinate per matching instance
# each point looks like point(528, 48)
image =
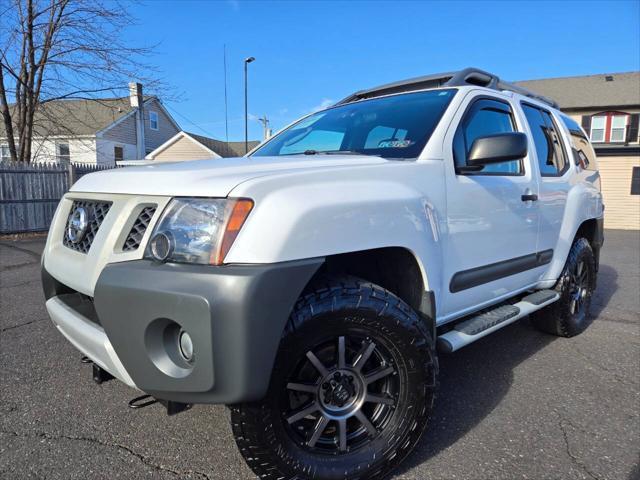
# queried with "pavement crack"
point(615, 375)
point(23, 250)
point(144, 459)
point(17, 266)
point(20, 284)
point(576, 461)
point(22, 324)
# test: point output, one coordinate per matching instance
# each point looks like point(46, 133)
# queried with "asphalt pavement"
point(517, 404)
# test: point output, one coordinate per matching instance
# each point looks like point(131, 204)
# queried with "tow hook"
point(172, 407)
point(99, 375)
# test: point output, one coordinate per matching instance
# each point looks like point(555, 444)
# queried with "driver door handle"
point(529, 197)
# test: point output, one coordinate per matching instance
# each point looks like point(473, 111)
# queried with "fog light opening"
point(162, 246)
point(186, 346)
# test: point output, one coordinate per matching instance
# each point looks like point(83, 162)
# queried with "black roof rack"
point(468, 76)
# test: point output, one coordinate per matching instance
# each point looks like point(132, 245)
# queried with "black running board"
point(481, 325)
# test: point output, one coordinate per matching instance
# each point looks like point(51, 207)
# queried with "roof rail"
point(466, 77)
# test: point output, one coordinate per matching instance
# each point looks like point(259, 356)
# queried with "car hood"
point(207, 178)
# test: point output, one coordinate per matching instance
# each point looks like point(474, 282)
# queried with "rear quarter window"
point(581, 148)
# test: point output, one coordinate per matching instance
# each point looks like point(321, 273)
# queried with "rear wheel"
point(351, 391)
point(570, 315)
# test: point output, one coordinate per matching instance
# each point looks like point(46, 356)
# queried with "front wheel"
point(351, 390)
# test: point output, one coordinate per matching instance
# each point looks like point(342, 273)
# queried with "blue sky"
point(309, 54)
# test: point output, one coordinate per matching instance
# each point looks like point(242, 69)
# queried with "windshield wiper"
point(332, 152)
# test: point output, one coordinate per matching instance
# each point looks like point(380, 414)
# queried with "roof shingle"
point(224, 149)
point(604, 90)
point(77, 117)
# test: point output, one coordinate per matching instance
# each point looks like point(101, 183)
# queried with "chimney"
point(137, 101)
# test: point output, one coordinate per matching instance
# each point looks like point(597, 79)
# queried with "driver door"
point(490, 252)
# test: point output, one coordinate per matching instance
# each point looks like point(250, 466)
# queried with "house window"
point(635, 181)
point(597, 128)
point(609, 127)
point(62, 152)
point(618, 127)
point(5, 156)
point(118, 154)
point(153, 120)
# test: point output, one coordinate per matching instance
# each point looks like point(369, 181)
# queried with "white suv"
point(310, 284)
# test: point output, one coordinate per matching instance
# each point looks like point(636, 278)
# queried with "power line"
point(189, 121)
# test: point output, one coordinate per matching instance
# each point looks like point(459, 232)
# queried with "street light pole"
point(247, 61)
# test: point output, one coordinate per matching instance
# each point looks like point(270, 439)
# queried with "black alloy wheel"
point(351, 390)
point(342, 393)
point(571, 314)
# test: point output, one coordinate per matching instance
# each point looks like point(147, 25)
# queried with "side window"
point(559, 156)
point(549, 149)
point(583, 154)
point(485, 117)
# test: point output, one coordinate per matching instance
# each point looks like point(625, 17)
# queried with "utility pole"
point(226, 110)
point(247, 61)
point(265, 127)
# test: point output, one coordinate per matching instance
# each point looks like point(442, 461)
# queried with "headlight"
point(198, 230)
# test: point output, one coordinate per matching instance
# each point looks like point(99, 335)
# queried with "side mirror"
point(499, 148)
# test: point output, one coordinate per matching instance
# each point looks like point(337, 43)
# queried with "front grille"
point(139, 227)
point(95, 213)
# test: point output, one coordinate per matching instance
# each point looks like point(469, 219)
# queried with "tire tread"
point(336, 293)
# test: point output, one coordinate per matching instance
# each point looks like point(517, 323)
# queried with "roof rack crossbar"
point(465, 77)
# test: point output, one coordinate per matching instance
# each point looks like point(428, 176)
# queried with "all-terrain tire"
point(564, 318)
point(344, 307)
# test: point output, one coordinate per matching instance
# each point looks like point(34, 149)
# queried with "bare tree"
point(62, 49)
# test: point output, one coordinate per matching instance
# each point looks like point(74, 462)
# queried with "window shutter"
point(632, 132)
point(586, 124)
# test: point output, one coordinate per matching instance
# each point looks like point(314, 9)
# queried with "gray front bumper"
point(235, 315)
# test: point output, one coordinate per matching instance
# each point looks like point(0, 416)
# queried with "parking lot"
point(517, 404)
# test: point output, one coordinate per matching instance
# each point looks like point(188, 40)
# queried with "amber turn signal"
point(241, 209)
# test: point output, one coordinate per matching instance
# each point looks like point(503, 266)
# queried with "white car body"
point(309, 207)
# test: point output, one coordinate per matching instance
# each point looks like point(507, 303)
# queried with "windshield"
point(398, 126)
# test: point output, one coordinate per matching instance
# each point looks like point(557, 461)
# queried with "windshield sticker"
point(395, 143)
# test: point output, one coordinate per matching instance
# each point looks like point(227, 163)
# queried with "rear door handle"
point(529, 197)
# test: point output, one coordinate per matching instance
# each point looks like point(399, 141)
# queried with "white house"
point(98, 131)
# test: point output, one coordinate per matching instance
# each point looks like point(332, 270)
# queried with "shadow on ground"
point(607, 286)
point(473, 382)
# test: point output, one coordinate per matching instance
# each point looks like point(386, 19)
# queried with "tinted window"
point(398, 126)
point(549, 150)
point(559, 161)
point(485, 117)
point(583, 154)
point(572, 126)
